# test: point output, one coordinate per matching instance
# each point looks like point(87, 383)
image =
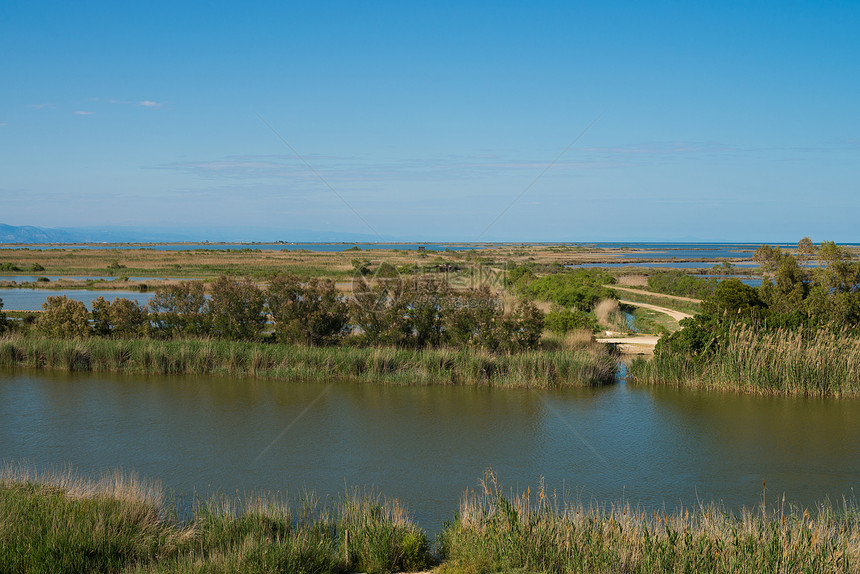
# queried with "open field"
point(61, 523)
point(208, 263)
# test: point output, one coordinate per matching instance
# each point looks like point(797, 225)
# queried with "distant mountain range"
point(30, 234)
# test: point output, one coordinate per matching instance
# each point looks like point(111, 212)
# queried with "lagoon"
point(653, 447)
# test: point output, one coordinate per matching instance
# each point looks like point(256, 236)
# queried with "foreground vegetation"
point(61, 524)
point(538, 533)
point(590, 364)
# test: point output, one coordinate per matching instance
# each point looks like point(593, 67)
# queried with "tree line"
point(405, 313)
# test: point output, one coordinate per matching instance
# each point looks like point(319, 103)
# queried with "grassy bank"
point(534, 532)
point(764, 362)
point(61, 524)
point(537, 369)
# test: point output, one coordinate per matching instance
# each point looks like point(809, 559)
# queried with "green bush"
point(562, 321)
point(581, 289)
point(64, 318)
point(678, 283)
point(235, 309)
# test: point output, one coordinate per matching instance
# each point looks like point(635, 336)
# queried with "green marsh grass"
point(540, 369)
point(777, 362)
point(496, 531)
point(58, 523)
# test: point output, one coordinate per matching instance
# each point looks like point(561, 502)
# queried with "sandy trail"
point(653, 293)
point(677, 315)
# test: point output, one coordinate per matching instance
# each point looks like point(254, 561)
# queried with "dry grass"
point(119, 485)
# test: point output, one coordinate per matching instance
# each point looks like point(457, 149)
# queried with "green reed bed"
point(825, 363)
point(534, 532)
point(540, 369)
point(58, 523)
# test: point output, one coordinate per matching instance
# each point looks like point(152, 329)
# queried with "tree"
point(101, 317)
point(312, 314)
point(805, 250)
point(426, 303)
point(236, 309)
point(474, 318)
point(380, 312)
point(180, 309)
point(524, 327)
point(840, 274)
point(128, 318)
point(768, 258)
point(64, 318)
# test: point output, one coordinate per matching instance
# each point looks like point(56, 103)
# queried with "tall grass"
point(58, 523)
point(541, 369)
point(536, 532)
point(765, 362)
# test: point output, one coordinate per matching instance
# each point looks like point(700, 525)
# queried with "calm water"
point(652, 447)
point(18, 299)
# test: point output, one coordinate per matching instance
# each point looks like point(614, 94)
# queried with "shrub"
point(562, 321)
point(236, 309)
point(312, 314)
point(581, 289)
point(180, 309)
point(122, 318)
point(64, 317)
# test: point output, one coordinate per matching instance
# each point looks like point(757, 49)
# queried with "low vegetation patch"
point(591, 365)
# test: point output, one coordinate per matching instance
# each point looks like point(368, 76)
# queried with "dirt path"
point(641, 344)
point(677, 315)
point(653, 293)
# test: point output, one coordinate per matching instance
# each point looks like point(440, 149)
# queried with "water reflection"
point(652, 446)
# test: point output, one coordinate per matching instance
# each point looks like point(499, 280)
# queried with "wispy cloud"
point(354, 170)
point(141, 103)
point(40, 106)
point(82, 113)
point(4, 124)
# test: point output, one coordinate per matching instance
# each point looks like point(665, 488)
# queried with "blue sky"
point(560, 121)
